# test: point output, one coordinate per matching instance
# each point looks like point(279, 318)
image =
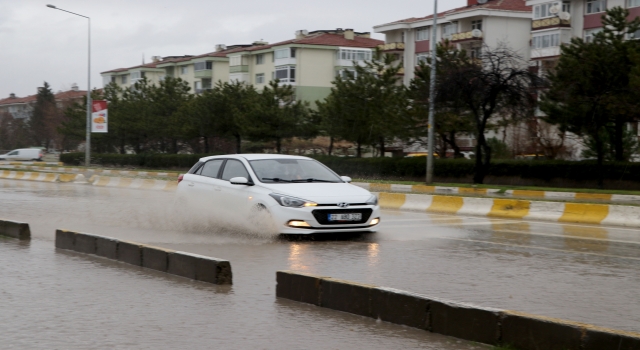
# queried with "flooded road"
point(55, 298)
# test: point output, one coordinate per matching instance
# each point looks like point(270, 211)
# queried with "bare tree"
point(488, 86)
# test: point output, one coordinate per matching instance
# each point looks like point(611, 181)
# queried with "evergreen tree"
point(45, 118)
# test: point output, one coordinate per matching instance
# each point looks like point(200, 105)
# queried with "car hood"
point(322, 193)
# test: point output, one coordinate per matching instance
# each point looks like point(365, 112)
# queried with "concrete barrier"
point(581, 213)
point(197, 267)
point(464, 321)
point(19, 230)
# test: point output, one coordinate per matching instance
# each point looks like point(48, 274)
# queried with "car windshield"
point(292, 171)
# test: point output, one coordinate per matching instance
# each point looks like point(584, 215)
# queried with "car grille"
point(322, 215)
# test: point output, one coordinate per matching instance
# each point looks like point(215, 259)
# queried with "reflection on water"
point(373, 249)
point(297, 257)
point(511, 232)
point(586, 238)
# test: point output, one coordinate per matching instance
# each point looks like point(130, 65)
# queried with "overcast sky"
point(40, 44)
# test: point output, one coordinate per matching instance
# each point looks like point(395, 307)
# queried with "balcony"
point(465, 36)
point(547, 52)
point(239, 69)
point(204, 73)
point(553, 22)
point(391, 47)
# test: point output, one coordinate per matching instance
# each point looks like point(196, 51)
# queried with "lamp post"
point(432, 95)
point(87, 153)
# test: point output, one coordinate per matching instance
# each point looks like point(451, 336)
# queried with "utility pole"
point(432, 94)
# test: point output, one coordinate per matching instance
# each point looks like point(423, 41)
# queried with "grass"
point(504, 188)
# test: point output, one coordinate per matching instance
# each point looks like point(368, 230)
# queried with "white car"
point(299, 194)
point(27, 154)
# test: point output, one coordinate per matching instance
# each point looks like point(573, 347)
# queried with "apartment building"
point(490, 23)
point(199, 71)
point(22, 107)
point(310, 62)
point(555, 22)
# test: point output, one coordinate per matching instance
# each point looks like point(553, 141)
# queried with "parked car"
point(23, 154)
point(299, 195)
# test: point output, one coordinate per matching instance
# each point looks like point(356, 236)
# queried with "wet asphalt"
point(59, 299)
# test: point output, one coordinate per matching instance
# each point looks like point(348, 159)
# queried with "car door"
point(235, 197)
point(13, 155)
point(201, 185)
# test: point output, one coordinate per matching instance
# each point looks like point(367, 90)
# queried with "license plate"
point(345, 217)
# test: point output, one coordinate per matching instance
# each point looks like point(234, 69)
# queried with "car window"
point(14, 153)
point(211, 168)
point(234, 168)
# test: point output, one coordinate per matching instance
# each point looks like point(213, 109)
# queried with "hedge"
point(396, 168)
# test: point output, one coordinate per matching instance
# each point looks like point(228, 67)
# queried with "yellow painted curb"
point(423, 189)
point(584, 213)
point(67, 177)
point(375, 187)
point(446, 204)
point(528, 193)
point(471, 190)
point(392, 200)
point(597, 196)
point(509, 208)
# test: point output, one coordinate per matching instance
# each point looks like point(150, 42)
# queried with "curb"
point(30, 176)
point(127, 182)
point(463, 321)
point(193, 266)
point(31, 163)
point(423, 189)
point(604, 214)
point(13, 229)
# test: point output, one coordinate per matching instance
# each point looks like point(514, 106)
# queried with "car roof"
point(255, 156)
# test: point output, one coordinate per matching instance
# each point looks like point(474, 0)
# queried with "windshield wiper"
point(275, 179)
point(312, 180)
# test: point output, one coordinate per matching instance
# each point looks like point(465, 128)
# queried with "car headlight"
point(292, 202)
point(373, 200)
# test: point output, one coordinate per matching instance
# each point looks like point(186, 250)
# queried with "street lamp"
point(432, 95)
point(87, 153)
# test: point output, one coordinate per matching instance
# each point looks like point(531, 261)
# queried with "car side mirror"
point(346, 179)
point(239, 181)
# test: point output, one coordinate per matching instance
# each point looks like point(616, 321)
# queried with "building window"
point(476, 25)
point(184, 70)
point(198, 86)
point(260, 78)
point(422, 34)
point(422, 58)
point(123, 79)
point(286, 74)
point(589, 34)
point(633, 3)
point(449, 29)
point(202, 66)
point(135, 76)
point(354, 55)
point(260, 58)
point(545, 10)
point(235, 61)
point(476, 52)
point(544, 41)
point(595, 6)
point(347, 74)
point(162, 77)
point(285, 53)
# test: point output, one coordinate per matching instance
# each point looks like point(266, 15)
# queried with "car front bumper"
point(283, 215)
